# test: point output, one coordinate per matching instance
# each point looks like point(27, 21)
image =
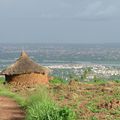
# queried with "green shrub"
point(41, 107)
point(49, 111)
point(2, 80)
point(58, 80)
point(93, 118)
point(117, 81)
point(99, 80)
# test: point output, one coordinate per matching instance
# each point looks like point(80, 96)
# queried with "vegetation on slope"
point(91, 101)
point(38, 105)
point(6, 91)
point(41, 107)
point(95, 100)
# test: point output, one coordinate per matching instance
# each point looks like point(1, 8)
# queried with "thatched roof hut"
point(24, 65)
point(24, 70)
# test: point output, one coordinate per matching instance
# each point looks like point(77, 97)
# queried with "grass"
point(6, 92)
point(92, 107)
point(57, 80)
point(2, 80)
point(117, 81)
point(38, 105)
point(41, 107)
point(90, 95)
point(75, 101)
point(97, 81)
point(93, 118)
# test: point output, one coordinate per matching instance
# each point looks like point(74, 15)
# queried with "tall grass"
point(41, 107)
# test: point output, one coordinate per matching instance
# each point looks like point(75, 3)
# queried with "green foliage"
point(115, 111)
point(117, 81)
point(2, 80)
point(99, 80)
point(93, 118)
point(58, 80)
point(4, 91)
point(65, 114)
point(92, 107)
point(41, 107)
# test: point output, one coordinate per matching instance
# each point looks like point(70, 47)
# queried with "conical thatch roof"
point(24, 65)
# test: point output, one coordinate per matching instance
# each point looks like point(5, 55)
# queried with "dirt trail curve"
point(10, 110)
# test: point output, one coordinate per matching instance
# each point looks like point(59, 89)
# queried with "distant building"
point(26, 73)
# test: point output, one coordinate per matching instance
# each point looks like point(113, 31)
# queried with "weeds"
point(2, 80)
point(41, 107)
point(4, 91)
point(93, 118)
point(92, 107)
point(58, 80)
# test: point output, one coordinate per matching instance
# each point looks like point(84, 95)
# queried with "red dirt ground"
point(10, 110)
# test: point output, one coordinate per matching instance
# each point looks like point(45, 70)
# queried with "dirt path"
point(10, 110)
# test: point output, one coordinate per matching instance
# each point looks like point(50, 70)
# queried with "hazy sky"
point(74, 21)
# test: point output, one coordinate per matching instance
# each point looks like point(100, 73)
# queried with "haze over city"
point(59, 21)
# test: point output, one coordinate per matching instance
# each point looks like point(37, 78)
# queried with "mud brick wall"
point(27, 80)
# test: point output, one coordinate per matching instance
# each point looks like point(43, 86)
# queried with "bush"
point(117, 81)
point(2, 80)
point(41, 107)
point(99, 80)
point(58, 80)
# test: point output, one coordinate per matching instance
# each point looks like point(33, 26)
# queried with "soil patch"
point(10, 110)
point(110, 105)
point(89, 101)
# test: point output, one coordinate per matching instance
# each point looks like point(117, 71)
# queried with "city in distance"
point(102, 59)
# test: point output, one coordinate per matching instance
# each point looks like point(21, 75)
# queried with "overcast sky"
point(69, 21)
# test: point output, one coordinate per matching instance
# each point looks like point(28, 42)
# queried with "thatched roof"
point(24, 65)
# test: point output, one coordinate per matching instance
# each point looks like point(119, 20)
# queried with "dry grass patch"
point(89, 100)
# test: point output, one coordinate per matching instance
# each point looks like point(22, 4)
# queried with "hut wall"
point(27, 80)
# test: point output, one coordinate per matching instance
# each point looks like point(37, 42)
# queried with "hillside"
point(98, 100)
point(90, 101)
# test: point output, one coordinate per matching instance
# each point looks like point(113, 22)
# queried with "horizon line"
point(58, 43)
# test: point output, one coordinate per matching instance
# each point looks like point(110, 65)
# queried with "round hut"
point(26, 73)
